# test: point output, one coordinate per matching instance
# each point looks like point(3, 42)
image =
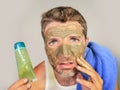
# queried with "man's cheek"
point(78, 50)
point(50, 55)
point(52, 59)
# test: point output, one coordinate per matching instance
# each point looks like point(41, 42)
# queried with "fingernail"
point(28, 85)
point(25, 80)
point(77, 80)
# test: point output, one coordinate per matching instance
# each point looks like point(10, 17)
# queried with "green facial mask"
point(66, 50)
point(61, 32)
point(74, 51)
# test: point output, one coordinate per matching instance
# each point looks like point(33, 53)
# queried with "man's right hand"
point(22, 84)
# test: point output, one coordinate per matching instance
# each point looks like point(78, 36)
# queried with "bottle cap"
point(19, 45)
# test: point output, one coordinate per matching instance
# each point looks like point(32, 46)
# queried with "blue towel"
point(104, 63)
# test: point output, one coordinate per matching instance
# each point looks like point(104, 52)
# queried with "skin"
point(62, 48)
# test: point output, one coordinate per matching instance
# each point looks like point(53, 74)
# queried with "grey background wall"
point(20, 21)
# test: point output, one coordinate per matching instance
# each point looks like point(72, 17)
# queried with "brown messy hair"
point(63, 14)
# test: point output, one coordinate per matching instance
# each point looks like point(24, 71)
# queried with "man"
point(69, 51)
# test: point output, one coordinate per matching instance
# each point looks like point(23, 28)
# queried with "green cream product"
point(24, 64)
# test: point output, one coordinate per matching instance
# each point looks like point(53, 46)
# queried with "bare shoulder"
point(40, 74)
point(40, 70)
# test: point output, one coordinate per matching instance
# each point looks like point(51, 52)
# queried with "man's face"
point(64, 43)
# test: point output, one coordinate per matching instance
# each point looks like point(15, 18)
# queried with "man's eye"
point(74, 39)
point(52, 42)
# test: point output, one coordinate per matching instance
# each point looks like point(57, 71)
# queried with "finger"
point(87, 84)
point(97, 83)
point(84, 63)
point(24, 87)
point(94, 77)
point(84, 70)
point(19, 83)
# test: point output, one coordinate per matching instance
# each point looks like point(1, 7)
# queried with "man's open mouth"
point(66, 65)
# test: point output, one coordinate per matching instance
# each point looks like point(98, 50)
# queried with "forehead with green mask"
point(64, 49)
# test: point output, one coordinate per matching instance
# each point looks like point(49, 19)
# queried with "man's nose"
point(65, 50)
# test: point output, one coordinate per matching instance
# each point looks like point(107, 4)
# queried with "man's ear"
point(87, 41)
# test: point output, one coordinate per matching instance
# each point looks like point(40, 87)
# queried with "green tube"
point(24, 64)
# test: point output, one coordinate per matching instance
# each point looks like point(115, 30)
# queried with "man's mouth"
point(66, 65)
